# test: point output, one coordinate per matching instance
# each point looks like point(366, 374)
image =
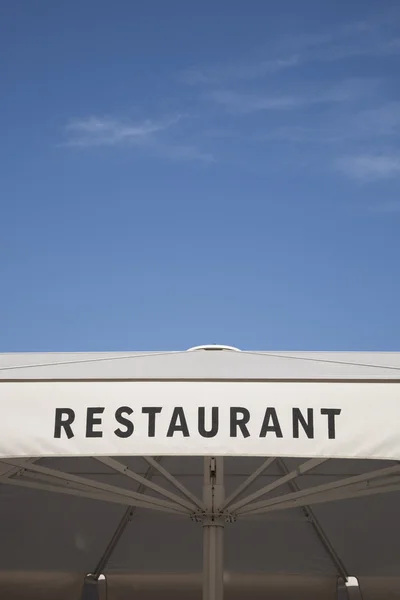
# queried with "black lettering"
point(152, 411)
point(64, 423)
point(270, 415)
point(214, 422)
point(174, 426)
point(332, 413)
point(307, 424)
point(239, 422)
point(119, 417)
point(91, 422)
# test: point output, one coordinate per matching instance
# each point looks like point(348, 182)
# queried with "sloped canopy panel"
point(202, 364)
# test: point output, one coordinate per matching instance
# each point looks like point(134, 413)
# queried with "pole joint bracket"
point(218, 519)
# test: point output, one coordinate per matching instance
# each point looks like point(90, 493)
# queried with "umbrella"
point(199, 474)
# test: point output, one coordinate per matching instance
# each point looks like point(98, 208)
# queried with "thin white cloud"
point(376, 38)
point(240, 102)
point(369, 167)
point(96, 131)
point(305, 135)
point(386, 207)
point(146, 135)
point(381, 120)
point(240, 71)
point(246, 103)
point(367, 48)
point(182, 152)
point(294, 51)
point(311, 40)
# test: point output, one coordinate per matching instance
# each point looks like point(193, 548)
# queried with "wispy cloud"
point(153, 137)
point(241, 102)
point(309, 41)
point(370, 167)
point(367, 47)
point(348, 124)
point(97, 131)
point(303, 134)
point(358, 39)
point(181, 152)
point(246, 103)
point(382, 120)
point(240, 71)
point(391, 207)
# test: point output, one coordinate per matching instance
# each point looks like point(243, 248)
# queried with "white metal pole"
point(213, 529)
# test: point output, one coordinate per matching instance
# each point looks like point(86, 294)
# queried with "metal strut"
point(323, 538)
point(124, 522)
point(213, 529)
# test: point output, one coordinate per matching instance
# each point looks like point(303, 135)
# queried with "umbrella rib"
point(31, 477)
point(23, 474)
point(91, 483)
point(120, 468)
point(105, 497)
point(90, 360)
point(76, 486)
point(321, 360)
point(11, 471)
point(316, 525)
point(175, 482)
point(303, 468)
point(341, 483)
point(250, 479)
point(355, 491)
point(126, 518)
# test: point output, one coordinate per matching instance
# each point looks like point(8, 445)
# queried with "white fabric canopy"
point(72, 505)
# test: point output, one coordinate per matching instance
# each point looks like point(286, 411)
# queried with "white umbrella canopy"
point(138, 521)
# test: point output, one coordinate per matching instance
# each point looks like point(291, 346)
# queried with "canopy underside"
point(138, 522)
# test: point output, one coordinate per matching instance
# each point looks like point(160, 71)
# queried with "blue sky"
point(178, 173)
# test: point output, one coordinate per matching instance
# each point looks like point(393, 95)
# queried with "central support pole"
point(213, 529)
